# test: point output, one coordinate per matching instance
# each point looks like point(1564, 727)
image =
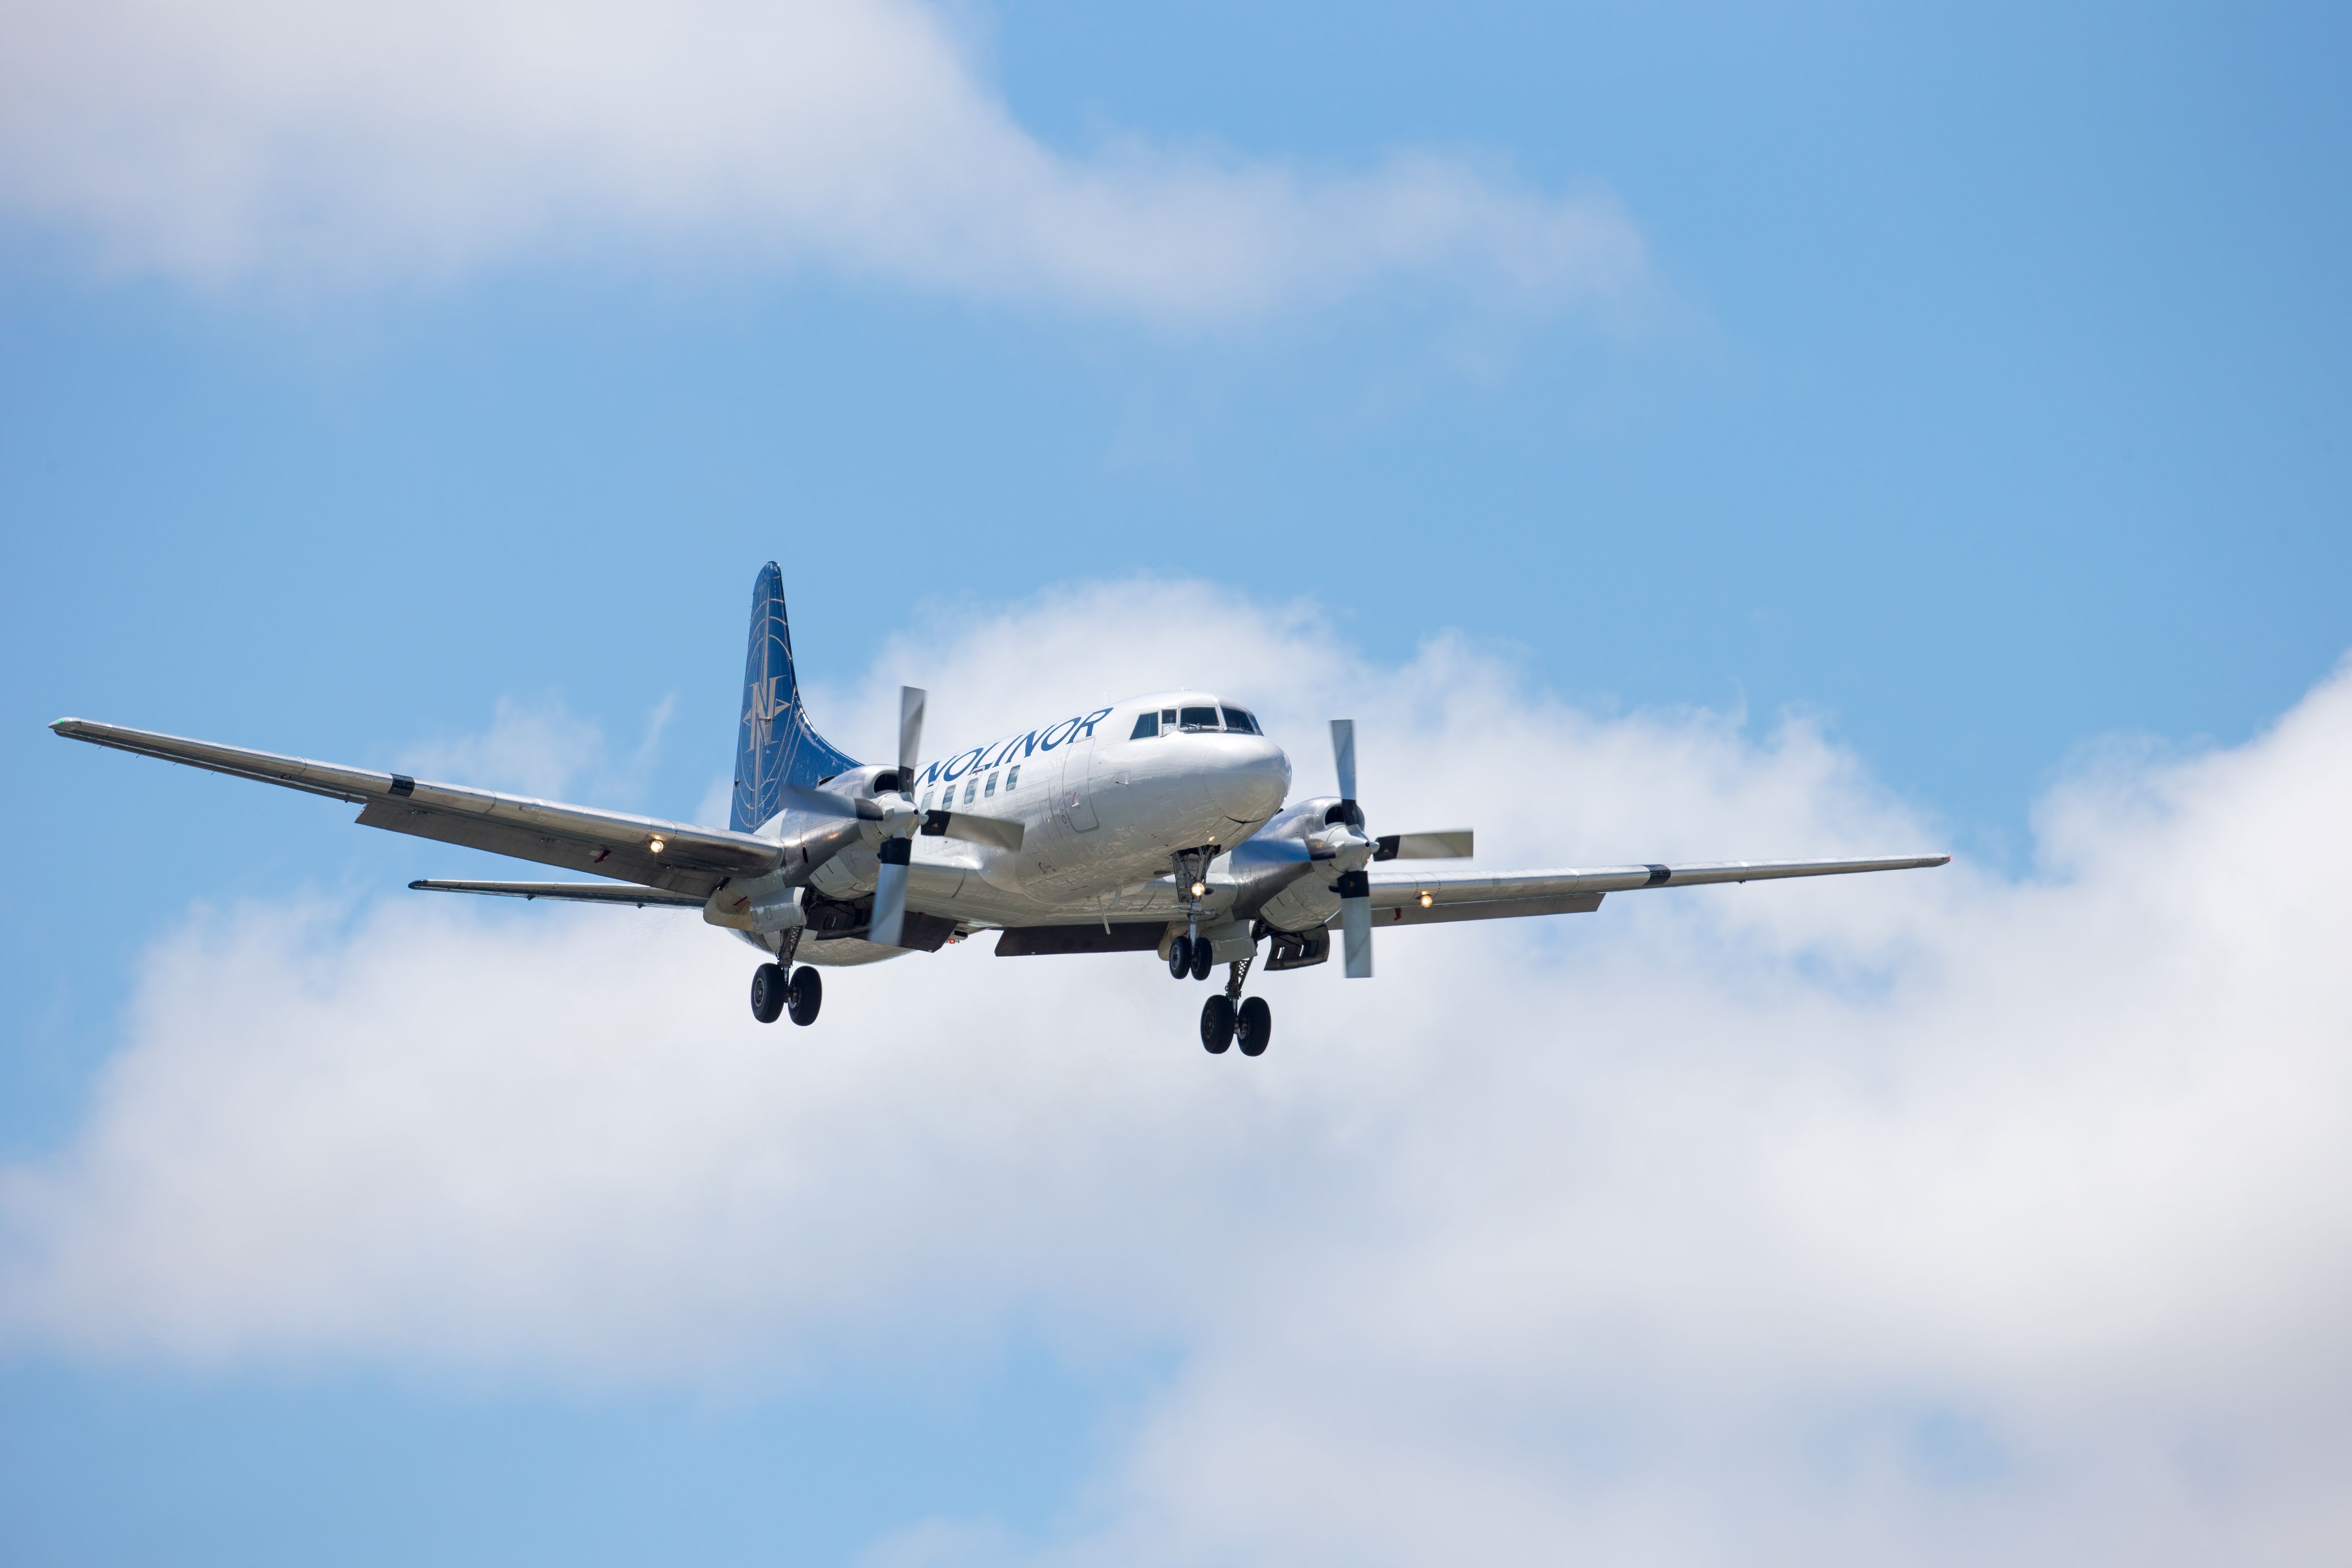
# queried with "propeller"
point(895, 811)
point(1344, 840)
point(900, 823)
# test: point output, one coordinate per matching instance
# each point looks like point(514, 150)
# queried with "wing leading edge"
point(674, 856)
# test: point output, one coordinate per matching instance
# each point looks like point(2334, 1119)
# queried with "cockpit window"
point(1146, 727)
point(1200, 718)
point(1239, 719)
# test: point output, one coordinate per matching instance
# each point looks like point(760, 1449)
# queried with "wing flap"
point(1412, 913)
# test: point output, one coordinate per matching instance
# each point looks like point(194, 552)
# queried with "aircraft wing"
point(690, 860)
point(571, 893)
point(1476, 896)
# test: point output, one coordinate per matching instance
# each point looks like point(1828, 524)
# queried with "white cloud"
point(339, 139)
point(540, 749)
point(1926, 1218)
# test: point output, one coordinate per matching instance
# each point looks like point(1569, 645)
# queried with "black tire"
point(768, 988)
point(1256, 1026)
point(807, 995)
point(1205, 958)
point(1180, 957)
point(1217, 1023)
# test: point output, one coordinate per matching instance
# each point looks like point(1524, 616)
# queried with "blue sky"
point(1965, 389)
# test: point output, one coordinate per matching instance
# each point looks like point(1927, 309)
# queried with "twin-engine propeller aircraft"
point(1157, 822)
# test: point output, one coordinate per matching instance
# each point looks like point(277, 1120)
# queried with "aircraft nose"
point(1249, 777)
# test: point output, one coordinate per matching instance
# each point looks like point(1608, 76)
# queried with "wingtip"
point(64, 726)
point(418, 886)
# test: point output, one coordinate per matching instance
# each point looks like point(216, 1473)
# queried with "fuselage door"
point(1078, 796)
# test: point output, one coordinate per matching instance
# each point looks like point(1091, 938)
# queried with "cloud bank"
point(1930, 1218)
point(339, 139)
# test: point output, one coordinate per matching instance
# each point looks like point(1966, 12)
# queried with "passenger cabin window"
point(1013, 778)
point(970, 787)
point(1200, 718)
point(927, 800)
point(1146, 727)
point(991, 785)
point(1239, 719)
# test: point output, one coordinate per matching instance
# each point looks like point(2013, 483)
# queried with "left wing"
point(572, 892)
point(1409, 898)
point(676, 856)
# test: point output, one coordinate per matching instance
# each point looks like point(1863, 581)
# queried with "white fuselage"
point(1105, 816)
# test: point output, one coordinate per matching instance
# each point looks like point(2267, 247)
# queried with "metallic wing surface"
point(674, 856)
point(1402, 897)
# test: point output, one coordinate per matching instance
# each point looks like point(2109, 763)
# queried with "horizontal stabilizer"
point(571, 892)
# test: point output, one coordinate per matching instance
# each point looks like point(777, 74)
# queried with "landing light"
point(1425, 899)
point(656, 846)
point(1200, 890)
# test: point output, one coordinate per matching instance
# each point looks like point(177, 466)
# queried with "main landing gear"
point(774, 991)
point(1227, 1016)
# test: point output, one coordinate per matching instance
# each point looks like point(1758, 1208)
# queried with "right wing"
point(1421, 898)
point(689, 860)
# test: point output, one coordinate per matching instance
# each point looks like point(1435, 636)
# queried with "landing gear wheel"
point(1217, 1023)
point(768, 988)
point(808, 995)
point(1255, 1026)
point(1205, 958)
point(1180, 957)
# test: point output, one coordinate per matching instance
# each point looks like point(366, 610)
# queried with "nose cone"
point(1247, 776)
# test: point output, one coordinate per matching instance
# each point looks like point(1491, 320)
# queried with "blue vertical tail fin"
point(775, 744)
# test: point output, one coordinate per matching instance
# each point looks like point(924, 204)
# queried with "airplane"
point(1161, 822)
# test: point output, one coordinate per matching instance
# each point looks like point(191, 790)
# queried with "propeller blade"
point(1451, 844)
point(1343, 752)
point(912, 699)
point(973, 828)
point(890, 893)
point(1356, 923)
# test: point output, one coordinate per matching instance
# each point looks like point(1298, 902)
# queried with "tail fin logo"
point(765, 709)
